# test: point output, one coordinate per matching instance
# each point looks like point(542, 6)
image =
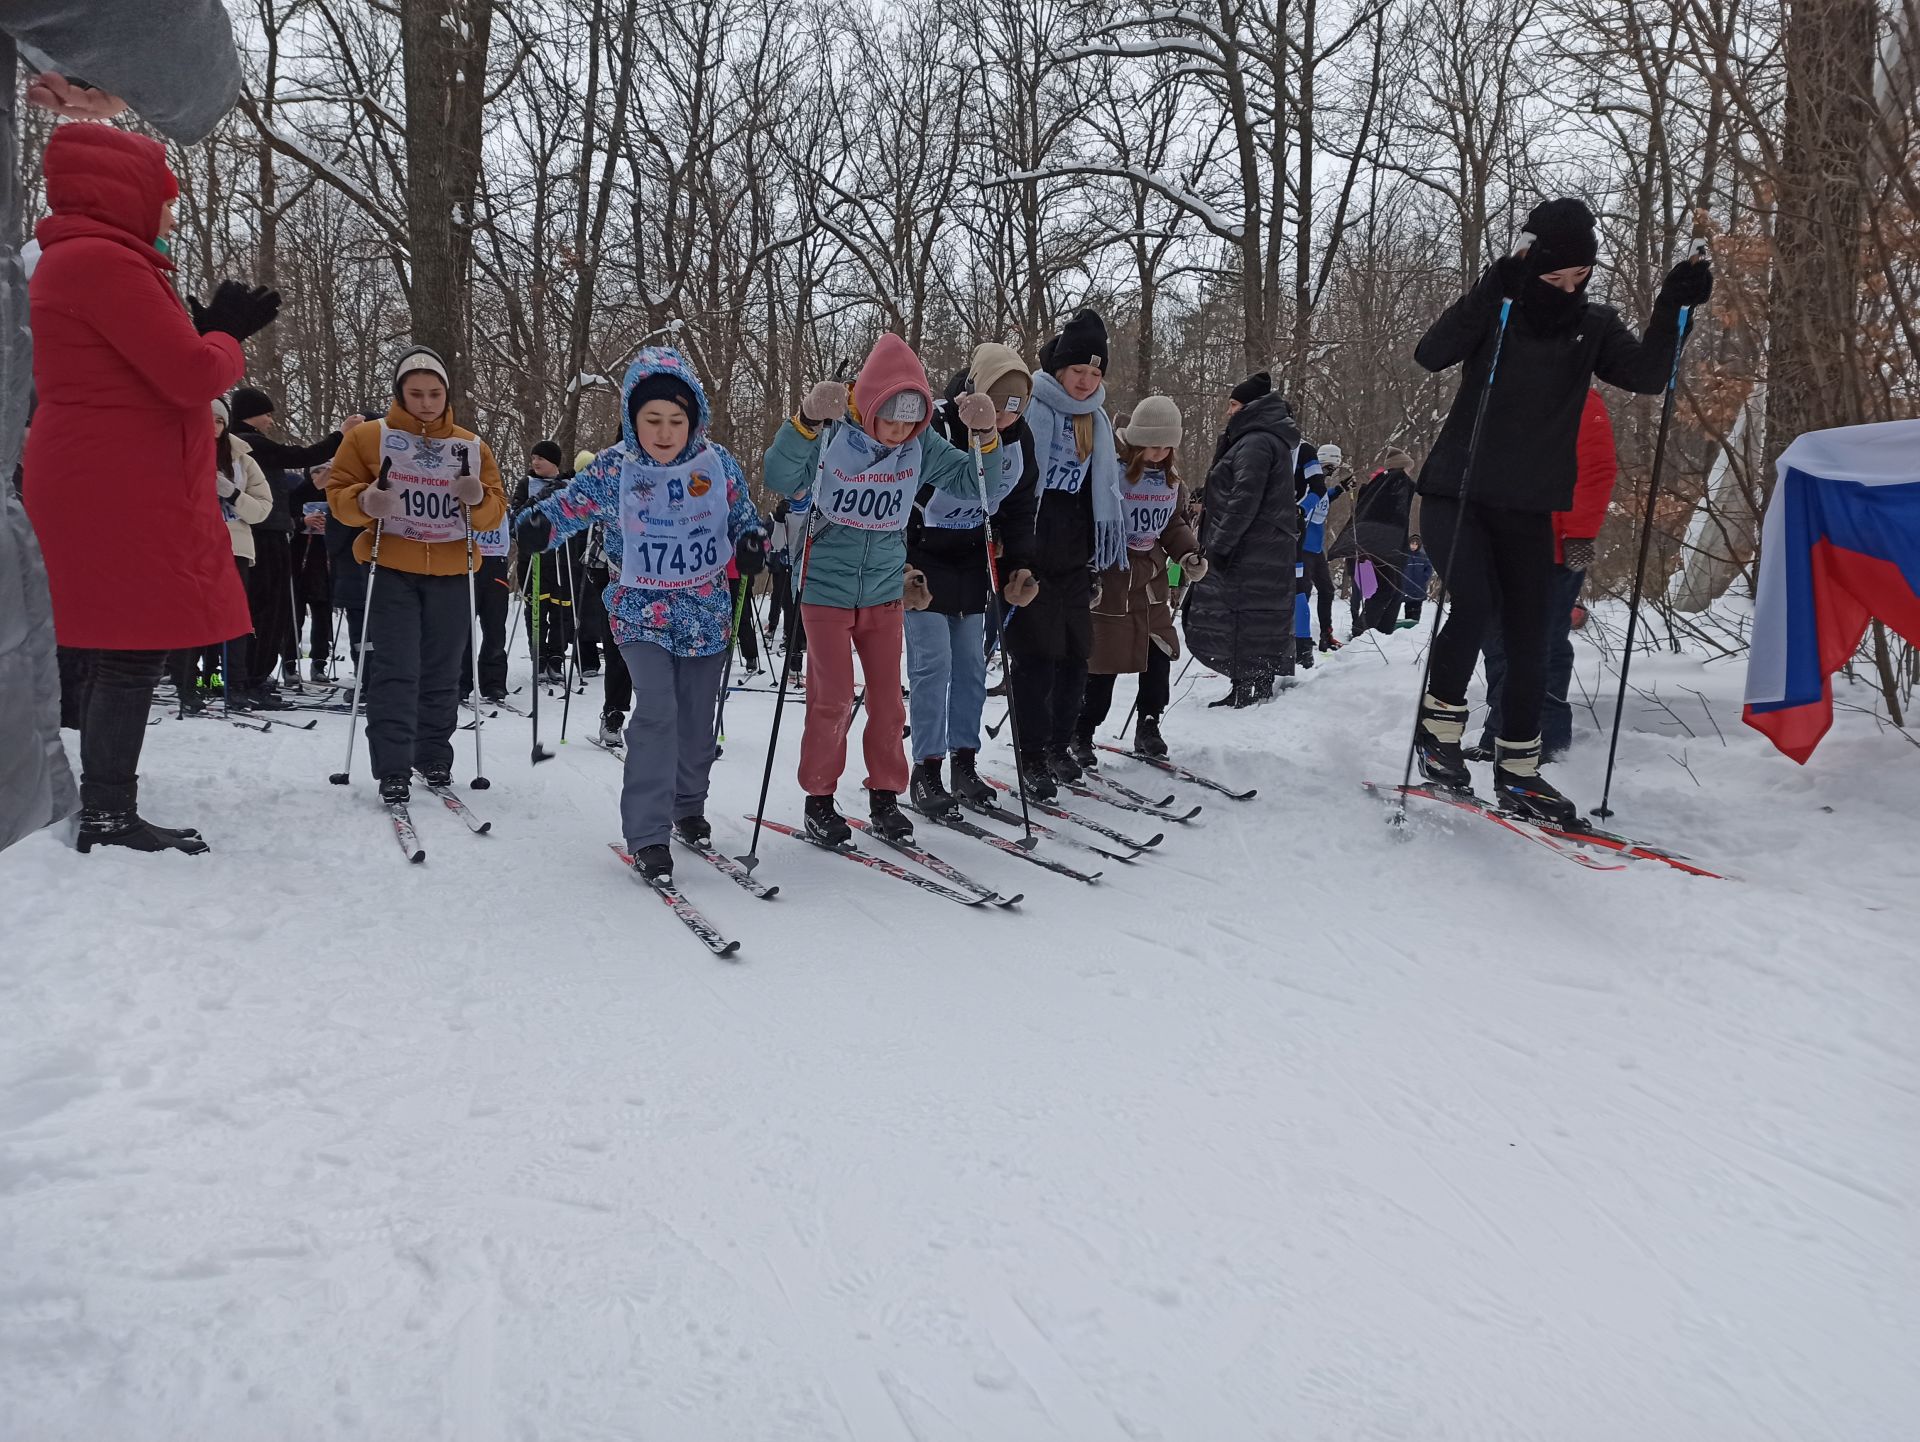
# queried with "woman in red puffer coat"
point(119, 466)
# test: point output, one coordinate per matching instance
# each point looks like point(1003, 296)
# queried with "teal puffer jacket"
point(851, 568)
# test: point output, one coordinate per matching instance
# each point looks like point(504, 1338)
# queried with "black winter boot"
point(397, 789)
point(1239, 698)
point(1039, 780)
point(967, 785)
point(128, 829)
point(929, 795)
point(654, 863)
point(1081, 748)
point(1519, 787)
point(1146, 737)
point(1303, 653)
point(1062, 767)
point(889, 821)
point(612, 730)
point(825, 823)
point(1436, 744)
point(696, 831)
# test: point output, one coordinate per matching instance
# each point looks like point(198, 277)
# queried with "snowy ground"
point(1294, 1132)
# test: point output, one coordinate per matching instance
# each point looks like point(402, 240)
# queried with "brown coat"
point(1135, 609)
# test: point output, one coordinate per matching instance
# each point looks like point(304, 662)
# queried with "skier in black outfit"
point(1060, 521)
point(270, 582)
point(1381, 513)
point(545, 475)
point(1496, 556)
point(1240, 618)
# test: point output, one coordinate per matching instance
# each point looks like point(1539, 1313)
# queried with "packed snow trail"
point(1291, 1129)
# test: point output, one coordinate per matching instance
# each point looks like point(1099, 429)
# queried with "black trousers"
point(270, 599)
point(784, 615)
point(312, 598)
point(1046, 699)
point(1382, 609)
point(550, 643)
point(1497, 565)
point(590, 612)
point(616, 685)
point(1318, 579)
point(417, 631)
point(108, 694)
point(490, 600)
point(1155, 689)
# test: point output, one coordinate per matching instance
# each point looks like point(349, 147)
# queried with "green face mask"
point(164, 246)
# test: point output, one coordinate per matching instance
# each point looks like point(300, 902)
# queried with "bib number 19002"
point(421, 504)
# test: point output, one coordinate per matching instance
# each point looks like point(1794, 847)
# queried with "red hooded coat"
point(119, 468)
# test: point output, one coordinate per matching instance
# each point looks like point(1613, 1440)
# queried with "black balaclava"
point(1563, 237)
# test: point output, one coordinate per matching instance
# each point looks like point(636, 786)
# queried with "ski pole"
point(993, 599)
point(752, 857)
point(1646, 541)
point(575, 665)
point(1399, 817)
point(726, 672)
point(540, 753)
point(339, 778)
point(480, 782)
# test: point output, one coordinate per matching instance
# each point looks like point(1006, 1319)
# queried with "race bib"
point(865, 487)
point(1316, 508)
point(491, 543)
point(1149, 502)
point(673, 523)
point(1065, 470)
point(423, 469)
point(944, 512)
point(227, 512)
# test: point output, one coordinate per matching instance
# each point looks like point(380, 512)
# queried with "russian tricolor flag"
point(1841, 546)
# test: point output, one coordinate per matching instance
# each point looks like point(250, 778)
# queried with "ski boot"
point(612, 730)
point(1518, 786)
point(397, 789)
point(1328, 642)
point(1037, 778)
point(889, 821)
point(134, 832)
point(1081, 748)
point(930, 796)
point(1303, 653)
point(653, 863)
point(1146, 736)
point(1436, 744)
point(192, 704)
point(825, 823)
point(967, 785)
point(695, 830)
point(1062, 766)
point(437, 775)
point(1478, 752)
point(317, 672)
point(290, 675)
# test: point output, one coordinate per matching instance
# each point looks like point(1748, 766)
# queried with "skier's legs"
point(445, 630)
point(1459, 548)
point(1556, 716)
point(1521, 558)
point(1156, 682)
point(877, 636)
point(967, 694)
point(1096, 700)
point(1321, 576)
point(1030, 693)
point(823, 741)
point(616, 686)
point(929, 678)
point(392, 688)
point(652, 771)
point(696, 683)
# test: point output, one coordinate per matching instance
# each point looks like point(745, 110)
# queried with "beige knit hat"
point(996, 370)
point(1154, 422)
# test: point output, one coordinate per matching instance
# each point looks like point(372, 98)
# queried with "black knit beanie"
point(663, 387)
point(1563, 236)
point(248, 403)
point(1082, 341)
point(547, 451)
point(1252, 388)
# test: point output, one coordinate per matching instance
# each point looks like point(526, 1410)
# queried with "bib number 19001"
point(869, 503)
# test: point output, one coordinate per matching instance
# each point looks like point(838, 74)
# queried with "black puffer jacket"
point(1526, 460)
point(1241, 617)
point(955, 562)
point(284, 467)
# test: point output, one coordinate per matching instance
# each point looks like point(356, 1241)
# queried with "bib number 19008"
point(869, 503)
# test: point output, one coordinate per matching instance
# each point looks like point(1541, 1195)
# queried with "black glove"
point(199, 314)
point(750, 553)
point(1689, 283)
point(535, 532)
point(238, 310)
point(1510, 275)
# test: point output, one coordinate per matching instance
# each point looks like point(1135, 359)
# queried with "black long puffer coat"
point(1240, 621)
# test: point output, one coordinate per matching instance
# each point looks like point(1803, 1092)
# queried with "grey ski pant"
point(670, 739)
